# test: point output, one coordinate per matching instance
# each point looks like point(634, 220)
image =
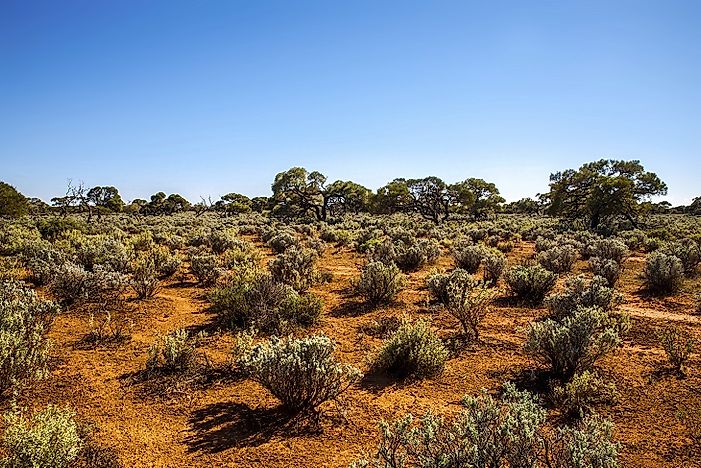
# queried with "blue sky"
point(209, 97)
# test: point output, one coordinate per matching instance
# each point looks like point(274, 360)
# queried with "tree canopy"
point(601, 190)
point(12, 203)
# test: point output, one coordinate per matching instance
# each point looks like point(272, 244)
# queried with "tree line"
point(595, 193)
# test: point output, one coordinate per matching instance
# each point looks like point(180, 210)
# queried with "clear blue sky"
point(210, 97)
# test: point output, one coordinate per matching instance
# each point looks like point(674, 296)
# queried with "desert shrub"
point(165, 262)
point(578, 397)
point(469, 302)
point(494, 264)
point(105, 329)
point(662, 274)
point(493, 433)
point(242, 255)
point(558, 259)
point(588, 444)
point(49, 438)
point(206, 268)
point(68, 285)
point(687, 251)
point(677, 345)
point(606, 268)
point(109, 252)
point(282, 241)
point(264, 304)
point(295, 267)
point(174, 352)
point(576, 343)
point(468, 257)
point(105, 286)
point(144, 280)
point(384, 252)
point(609, 249)
point(42, 260)
point(301, 373)
point(437, 283)
point(582, 293)
point(530, 283)
point(383, 327)
point(221, 241)
point(413, 256)
point(24, 324)
point(414, 350)
point(379, 283)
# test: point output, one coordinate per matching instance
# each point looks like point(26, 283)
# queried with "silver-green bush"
point(48, 439)
point(301, 373)
point(24, 324)
point(414, 350)
point(662, 274)
point(379, 283)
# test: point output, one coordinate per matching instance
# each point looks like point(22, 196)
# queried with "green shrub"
point(578, 397)
point(221, 241)
point(530, 283)
point(174, 352)
point(414, 350)
point(144, 280)
point(295, 267)
point(662, 274)
point(677, 345)
point(687, 251)
point(606, 268)
point(582, 293)
point(494, 264)
point(262, 303)
point(609, 249)
point(49, 439)
point(437, 283)
point(468, 257)
point(558, 259)
point(468, 303)
point(576, 343)
point(301, 373)
point(379, 283)
point(493, 433)
point(24, 324)
point(281, 242)
point(206, 268)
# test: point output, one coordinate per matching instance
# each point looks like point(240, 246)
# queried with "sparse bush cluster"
point(380, 283)
point(24, 324)
point(265, 304)
point(493, 432)
point(662, 274)
point(530, 284)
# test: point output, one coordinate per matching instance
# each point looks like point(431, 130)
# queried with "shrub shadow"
point(221, 426)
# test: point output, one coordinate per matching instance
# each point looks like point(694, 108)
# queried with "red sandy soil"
point(225, 421)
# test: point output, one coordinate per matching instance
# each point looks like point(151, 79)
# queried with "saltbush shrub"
point(494, 264)
point(530, 284)
point(687, 251)
point(469, 302)
point(574, 344)
point(379, 283)
point(558, 259)
point(493, 433)
point(144, 280)
point(174, 352)
point(609, 249)
point(282, 241)
point(301, 373)
point(468, 257)
point(24, 324)
point(662, 274)
point(677, 345)
point(414, 350)
point(206, 268)
point(265, 304)
point(48, 439)
point(295, 267)
point(580, 292)
point(606, 268)
point(580, 395)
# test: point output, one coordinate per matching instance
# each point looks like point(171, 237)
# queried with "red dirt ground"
point(230, 422)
